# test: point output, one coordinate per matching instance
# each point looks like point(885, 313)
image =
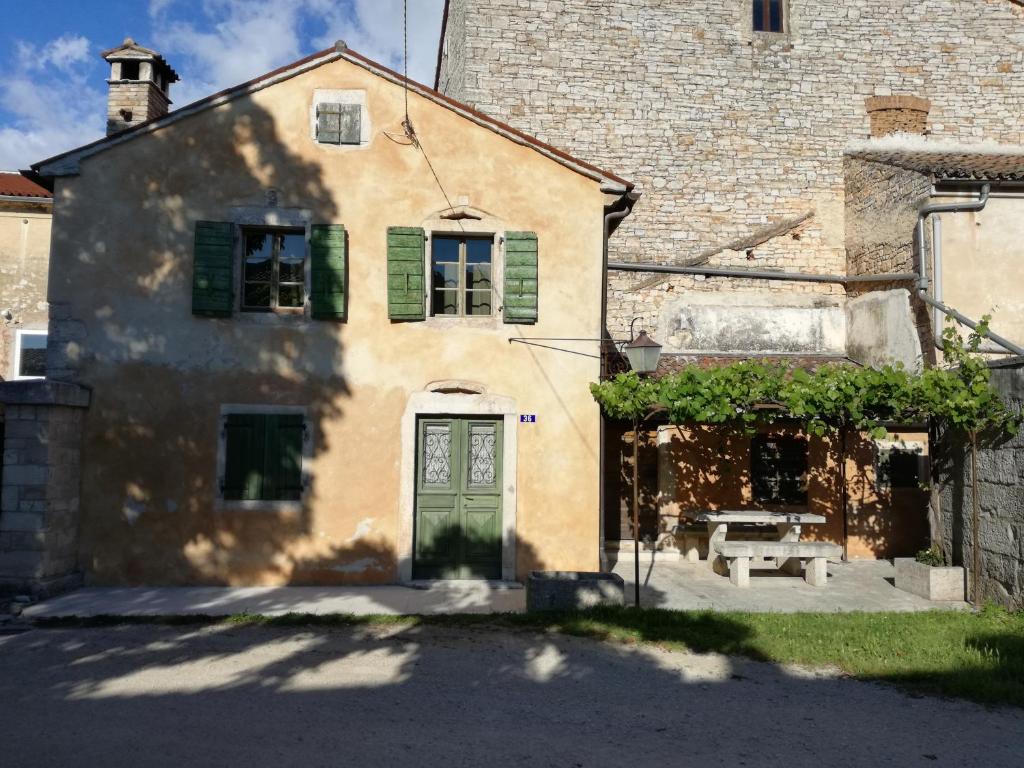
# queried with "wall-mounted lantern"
point(643, 353)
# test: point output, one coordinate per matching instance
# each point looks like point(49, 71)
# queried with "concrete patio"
point(859, 585)
point(676, 585)
point(435, 598)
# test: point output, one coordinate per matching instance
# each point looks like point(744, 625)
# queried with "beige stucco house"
point(26, 210)
point(297, 305)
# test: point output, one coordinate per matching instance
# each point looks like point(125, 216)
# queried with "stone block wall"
point(727, 131)
point(39, 487)
point(1001, 503)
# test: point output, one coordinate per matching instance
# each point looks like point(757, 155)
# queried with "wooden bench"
point(738, 555)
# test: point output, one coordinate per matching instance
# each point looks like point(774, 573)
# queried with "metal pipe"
point(928, 210)
point(630, 201)
point(761, 274)
point(937, 289)
point(964, 320)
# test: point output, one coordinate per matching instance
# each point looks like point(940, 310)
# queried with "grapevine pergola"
point(831, 398)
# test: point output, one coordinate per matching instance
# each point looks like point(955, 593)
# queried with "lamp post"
point(643, 353)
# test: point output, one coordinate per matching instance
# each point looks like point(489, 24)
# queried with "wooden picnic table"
point(787, 524)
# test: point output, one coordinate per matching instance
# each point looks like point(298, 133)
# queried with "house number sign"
point(527, 418)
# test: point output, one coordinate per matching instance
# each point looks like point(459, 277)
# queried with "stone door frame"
point(436, 403)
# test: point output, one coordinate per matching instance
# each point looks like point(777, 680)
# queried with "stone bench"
point(738, 555)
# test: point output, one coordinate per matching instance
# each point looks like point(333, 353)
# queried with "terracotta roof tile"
point(979, 166)
point(13, 184)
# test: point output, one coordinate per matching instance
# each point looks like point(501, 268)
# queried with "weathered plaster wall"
point(24, 262)
point(124, 230)
point(752, 322)
point(983, 270)
point(727, 131)
point(707, 467)
point(881, 331)
point(1000, 502)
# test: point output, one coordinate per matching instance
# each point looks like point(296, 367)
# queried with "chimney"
point(897, 114)
point(139, 85)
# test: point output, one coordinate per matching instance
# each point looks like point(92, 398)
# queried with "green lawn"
point(977, 656)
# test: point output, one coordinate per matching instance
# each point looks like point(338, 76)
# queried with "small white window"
point(30, 355)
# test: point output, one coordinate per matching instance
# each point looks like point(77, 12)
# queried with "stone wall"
point(727, 131)
point(1001, 503)
point(39, 486)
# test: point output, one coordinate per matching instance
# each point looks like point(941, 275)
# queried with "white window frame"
point(261, 505)
point(448, 223)
point(18, 335)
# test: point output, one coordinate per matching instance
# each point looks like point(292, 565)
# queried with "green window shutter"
point(243, 456)
point(213, 269)
point(520, 302)
point(329, 255)
point(282, 477)
point(405, 273)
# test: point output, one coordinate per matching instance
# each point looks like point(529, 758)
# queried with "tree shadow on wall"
point(120, 293)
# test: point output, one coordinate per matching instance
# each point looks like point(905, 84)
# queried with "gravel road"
point(435, 696)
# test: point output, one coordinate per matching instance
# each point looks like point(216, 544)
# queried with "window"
point(768, 16)
point(338, 123)
point(273, 270)
point(262, 456)
point(778, 469)
point(30, 355)
point(900, 464)
point(460, 276)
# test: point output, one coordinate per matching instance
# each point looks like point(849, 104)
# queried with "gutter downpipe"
point(629, 199)
point(935, 300)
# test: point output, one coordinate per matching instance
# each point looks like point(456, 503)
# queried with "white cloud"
point(241, 39)
point(49, 114)
point(157, 7)
point(376, 32)
point(64, 53)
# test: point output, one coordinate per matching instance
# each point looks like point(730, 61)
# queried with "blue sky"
point(53, 83)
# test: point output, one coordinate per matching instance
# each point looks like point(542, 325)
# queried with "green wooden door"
point(458, 499)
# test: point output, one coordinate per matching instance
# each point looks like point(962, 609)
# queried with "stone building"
point(756, 134)
point(735, 133)
point(26, 213)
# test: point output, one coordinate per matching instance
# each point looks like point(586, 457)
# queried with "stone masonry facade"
point(728, 132)
point(1000, 503)
point(42, 430)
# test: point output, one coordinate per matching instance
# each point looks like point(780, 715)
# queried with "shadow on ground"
point(460, 693)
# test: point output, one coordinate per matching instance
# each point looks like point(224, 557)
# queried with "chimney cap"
point(130, 50)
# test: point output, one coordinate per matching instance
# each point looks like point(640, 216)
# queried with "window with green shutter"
point(213, 269)
point(520, 300)
point(329, 254)
point(406, 295)
point(263, 457)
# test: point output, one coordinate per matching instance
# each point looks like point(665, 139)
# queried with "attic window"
point(129, 70)
point(338, 123)
point(768, 16)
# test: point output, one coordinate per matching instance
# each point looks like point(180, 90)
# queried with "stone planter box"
point(572, 590)
point(945, 583)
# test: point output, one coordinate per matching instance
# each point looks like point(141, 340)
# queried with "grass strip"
point(976, 656)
